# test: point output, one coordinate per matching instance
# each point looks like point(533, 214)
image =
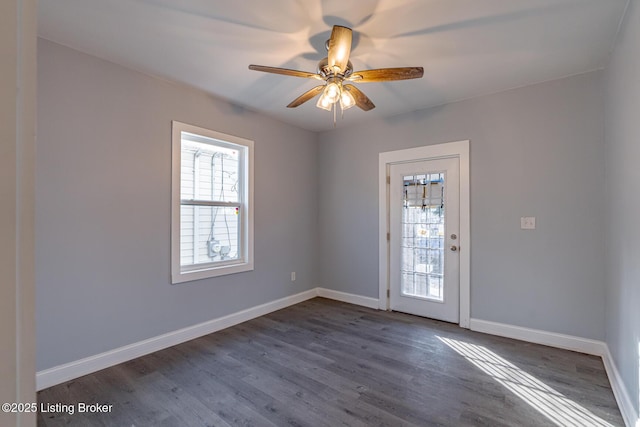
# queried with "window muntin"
point(212, 210)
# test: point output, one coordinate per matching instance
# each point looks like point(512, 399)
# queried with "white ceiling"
point(467, 47)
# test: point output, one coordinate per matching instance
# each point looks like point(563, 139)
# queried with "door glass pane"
point(422, 263)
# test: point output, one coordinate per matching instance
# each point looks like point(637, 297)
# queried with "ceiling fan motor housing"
point(325, 71)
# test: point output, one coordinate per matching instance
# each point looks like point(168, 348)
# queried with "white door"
point(424, 218)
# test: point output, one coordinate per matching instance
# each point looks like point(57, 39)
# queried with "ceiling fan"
point(337, 72)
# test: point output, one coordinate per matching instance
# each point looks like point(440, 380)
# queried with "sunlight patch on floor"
point(552, 404)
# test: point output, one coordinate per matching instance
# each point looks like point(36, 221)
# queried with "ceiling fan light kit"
point(334, 70)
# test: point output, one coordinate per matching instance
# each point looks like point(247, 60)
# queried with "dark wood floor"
point(326, 363)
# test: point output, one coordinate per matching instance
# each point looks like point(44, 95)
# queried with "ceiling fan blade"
point(362, 100)
point(339, 48)
point(285, 72)
point(386, 74)
point(306, 96)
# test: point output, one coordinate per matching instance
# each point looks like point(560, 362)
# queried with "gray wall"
point(535, 151)
point(103, 208)
point(623, 176)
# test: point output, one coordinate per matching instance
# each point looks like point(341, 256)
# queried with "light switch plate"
point(528, 223)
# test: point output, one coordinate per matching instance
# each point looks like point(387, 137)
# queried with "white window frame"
point(244, 262)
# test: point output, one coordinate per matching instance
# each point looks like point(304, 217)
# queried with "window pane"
point(208, 234)
point(209, 172)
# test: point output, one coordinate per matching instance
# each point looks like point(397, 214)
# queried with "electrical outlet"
point(293, 276)
point(528, 223)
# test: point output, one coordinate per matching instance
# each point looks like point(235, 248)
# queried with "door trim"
point(459, 149)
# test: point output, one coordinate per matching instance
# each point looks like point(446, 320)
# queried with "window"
point(212, 204)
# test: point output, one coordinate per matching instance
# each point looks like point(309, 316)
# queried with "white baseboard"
point(349, 298)
point(629, 414)
point(78, 368)
point(536, 336)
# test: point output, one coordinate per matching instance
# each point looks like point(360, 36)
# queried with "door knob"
point(454, 248)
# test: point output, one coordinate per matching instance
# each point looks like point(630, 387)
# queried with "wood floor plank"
point(326, 363)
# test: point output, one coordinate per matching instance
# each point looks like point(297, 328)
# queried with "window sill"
point(223, 270)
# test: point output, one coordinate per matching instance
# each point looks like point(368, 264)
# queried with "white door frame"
point(459, 149)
